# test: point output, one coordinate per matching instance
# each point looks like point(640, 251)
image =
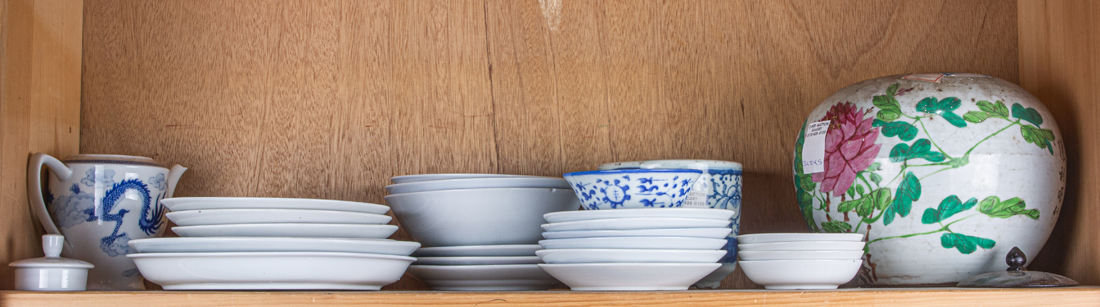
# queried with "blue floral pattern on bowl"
point(633, 188)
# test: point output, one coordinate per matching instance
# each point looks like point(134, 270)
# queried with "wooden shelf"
point(1075, 296)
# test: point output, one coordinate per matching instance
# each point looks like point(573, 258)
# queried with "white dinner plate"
point(715, 233)
point(629, 276)
point(483, 277)
point(478, 183)
point(431, 177)
point(803, 246)
point(797, 237)
point(271, 271)
point(203, 203)
point(478, 250)
point(259, 244)
point(630, 255)
point(291, 230)
point(636, 223)
point(474, 260)
point(634, 243)
point(267, 216)
point(583, 215)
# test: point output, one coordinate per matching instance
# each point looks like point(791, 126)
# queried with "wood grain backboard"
point(39, 109)
point(1060, 64)
point(330, 98)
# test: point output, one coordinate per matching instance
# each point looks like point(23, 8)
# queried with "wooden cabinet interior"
point(328, 99)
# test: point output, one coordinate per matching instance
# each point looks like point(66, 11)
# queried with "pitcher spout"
point(174, 177)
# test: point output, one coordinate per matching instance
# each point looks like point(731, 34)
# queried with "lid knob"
point(1016, 259)
point(52, 244)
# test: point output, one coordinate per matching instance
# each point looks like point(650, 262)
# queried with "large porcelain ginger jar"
point(943, 173)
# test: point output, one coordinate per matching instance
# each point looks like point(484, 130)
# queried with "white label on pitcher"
point(813, 149)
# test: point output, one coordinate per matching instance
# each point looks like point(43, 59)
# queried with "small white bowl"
point(477, 260)
point(803, 246)
point(584, 215)
point(800, 274)
point(636, 223)
point(800, 255)
point(478, 250)
point(630, 255)
point(635, 243)
point(797, 237)
point(629, 276)
point(715, 233)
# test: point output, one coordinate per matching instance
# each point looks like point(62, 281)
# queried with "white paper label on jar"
point(697, 197)
point(813, 149)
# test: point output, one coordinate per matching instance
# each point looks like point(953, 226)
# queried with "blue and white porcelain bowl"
point(633, 188)
point(719, 187)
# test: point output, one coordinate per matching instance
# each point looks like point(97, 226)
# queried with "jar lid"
point(51, 245)
point(1016, 276)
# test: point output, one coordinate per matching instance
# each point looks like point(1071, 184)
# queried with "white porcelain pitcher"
point(99, 203)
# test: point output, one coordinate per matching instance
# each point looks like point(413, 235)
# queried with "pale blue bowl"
point(633, 188)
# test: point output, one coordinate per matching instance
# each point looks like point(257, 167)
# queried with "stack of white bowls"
point(479, 231)
point(229, 243)
point(802, 261)
point(633, 249)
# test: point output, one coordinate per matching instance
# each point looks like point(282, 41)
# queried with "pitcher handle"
point(34, 186)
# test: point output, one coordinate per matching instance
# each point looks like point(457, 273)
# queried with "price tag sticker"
point(813, 149)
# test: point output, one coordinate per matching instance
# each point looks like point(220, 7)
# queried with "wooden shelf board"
point(1074, 296)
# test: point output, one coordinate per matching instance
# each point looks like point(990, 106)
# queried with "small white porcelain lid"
point(51, 245)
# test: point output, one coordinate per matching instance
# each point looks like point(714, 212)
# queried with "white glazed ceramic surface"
point(714, 233)
point(433, 177)
point(800, 274)
point(51, 273)
point(477, 260)
point(99, 202)
point(629, 255)
point(632, 188)
point(205, 203)
point(271, 271)
point(800, 255)
point(478, 216)
point(262, 244)
point(629, 276)
point(985, 155)
point(491, 285)
point(478, 250)
point(478, 183)
point(484, 277)
point(268, 216)
point(292, 230)
point(797, 237)
point(584, 215)
point(636, 223)
point(719, 187)
point(634, 243)
point(803, 246)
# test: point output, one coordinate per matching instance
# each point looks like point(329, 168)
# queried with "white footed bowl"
point(629, 276)
point(800, 274)
point(629, 255)
point(479, 216)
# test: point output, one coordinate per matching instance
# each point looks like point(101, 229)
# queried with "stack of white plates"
point(481, 268)
point(633, 249)
point(803, 261)
point(274, 244)
point(479, 230)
